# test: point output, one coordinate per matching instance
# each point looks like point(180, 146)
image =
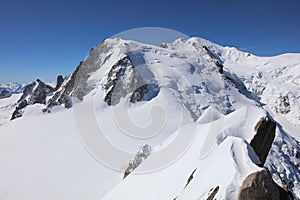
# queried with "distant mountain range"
point(6, 89)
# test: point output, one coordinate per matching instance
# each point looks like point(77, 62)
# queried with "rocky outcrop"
point(260, 185)
point(212, 193)
point(144, 93)
point(59, 82)
point(123, 79)
point(163, 45)
point(18, 110)
point(62, 95)
point(140, 156)
point(118, 81)
point(33, 93)
point(264, 137)
point(36, 92)
point(77, 85)
point(190, 178)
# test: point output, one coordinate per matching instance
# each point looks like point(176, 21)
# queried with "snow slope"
point(43, 158)
point(236, 157)
point(51, 163)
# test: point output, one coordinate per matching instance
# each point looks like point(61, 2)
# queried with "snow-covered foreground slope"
point(46, 160)
point(42, 158)
point(206, 127)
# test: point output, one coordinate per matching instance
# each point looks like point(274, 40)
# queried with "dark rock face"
point(260, 185)
point(116, 81)
point(76, 85)
point(212, 193)
point(33, 93)
point(143, 153)
point(40, 92)
point(264, 137)
point(144, 93)
point(124, 79)
point(59, 82)
point(62, 97)
point(18, 111)
point(67, 87)
point(36, 92)
point(220, 66)
point(190, 178)
point(163, 45)
point(205, 48)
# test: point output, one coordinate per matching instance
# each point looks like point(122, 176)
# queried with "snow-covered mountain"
point(34, 93)
point(192, 120)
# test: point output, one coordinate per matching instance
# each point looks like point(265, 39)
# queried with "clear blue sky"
point(41, 39)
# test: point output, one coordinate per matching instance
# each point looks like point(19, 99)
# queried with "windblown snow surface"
point(213, 114)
